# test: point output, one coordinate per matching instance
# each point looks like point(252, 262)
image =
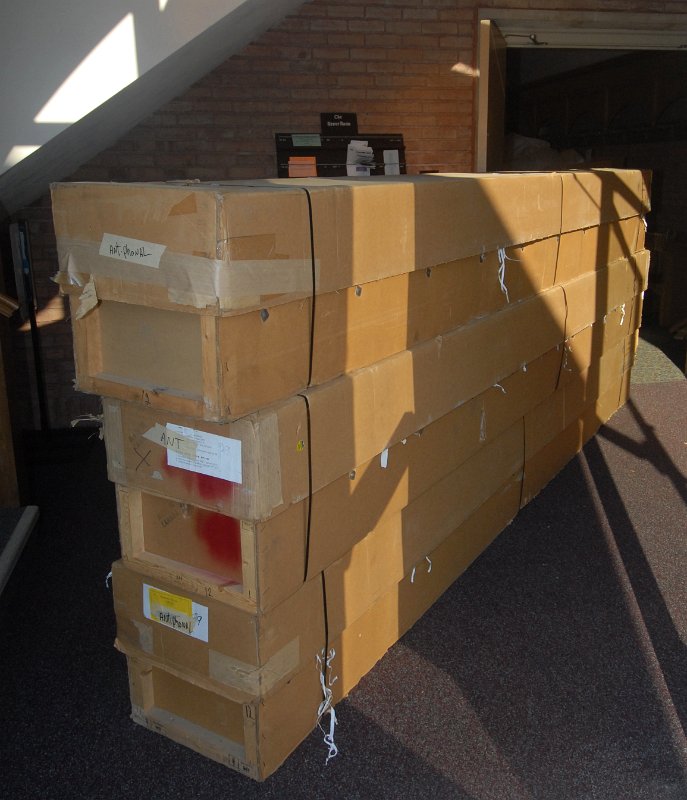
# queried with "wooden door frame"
point(588, 30)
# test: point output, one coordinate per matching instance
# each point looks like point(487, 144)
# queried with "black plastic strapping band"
point(326, 619)
point(310, 484)
point(313, 294)
point(308, 529)
point(565, 335)
point(308, 525)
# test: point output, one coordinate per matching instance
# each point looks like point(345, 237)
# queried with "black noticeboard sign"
point(337, 124)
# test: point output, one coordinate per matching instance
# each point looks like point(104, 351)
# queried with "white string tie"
point(108, 578)
point(502, 270)
point(564, 365)
point(326, 706)
point(498, 386)
point(429, 569)
point(622, 314)
point(524, 367)
point(97, 418)
point(646, 225)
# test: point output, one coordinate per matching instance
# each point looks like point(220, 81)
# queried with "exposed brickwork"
point(390, 61)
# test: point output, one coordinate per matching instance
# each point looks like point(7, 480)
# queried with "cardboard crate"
point(237, 364)
point(131, 344)
point(258, 566)
point(255, 735)
point(261, 462)
point(237, 245)
point(219, 368)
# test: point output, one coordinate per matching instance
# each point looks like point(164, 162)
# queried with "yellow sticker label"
point(300, 446)
point(176, 612)
point(172, 602)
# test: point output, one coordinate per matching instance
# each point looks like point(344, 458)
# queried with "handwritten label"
point(216, 456)
point(172, 440)
point(176, 612)
point(134, 250)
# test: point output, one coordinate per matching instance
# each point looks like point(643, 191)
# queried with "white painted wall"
point(61, 62)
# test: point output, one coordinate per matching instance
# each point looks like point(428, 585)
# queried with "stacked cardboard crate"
point(322, 400)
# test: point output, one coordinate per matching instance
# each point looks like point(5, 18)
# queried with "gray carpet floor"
point(555, 668)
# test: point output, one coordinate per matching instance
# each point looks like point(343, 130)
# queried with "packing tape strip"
point(250, 678)
point(191, 280)
point(114, 440)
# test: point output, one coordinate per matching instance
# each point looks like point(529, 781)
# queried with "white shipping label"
point(176, 612)
point(126, 249)
point(216, 456)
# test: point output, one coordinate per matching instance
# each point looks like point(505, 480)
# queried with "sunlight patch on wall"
point(53, 311)
point(465, 69)
point(106, 70)
point(19, 152)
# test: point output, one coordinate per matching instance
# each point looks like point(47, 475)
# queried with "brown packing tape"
point(172, 441)
point(88, 299)
point(114, 440)
point(256, 680)
point(145, 637)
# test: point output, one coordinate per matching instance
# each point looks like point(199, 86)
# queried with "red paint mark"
point(210, 488)
point(206, 487)
point(222, 537)
point(183, 475)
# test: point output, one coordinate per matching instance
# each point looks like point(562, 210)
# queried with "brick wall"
point(390, 61)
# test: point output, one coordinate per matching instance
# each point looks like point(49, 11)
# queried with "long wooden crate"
point(133, 344)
